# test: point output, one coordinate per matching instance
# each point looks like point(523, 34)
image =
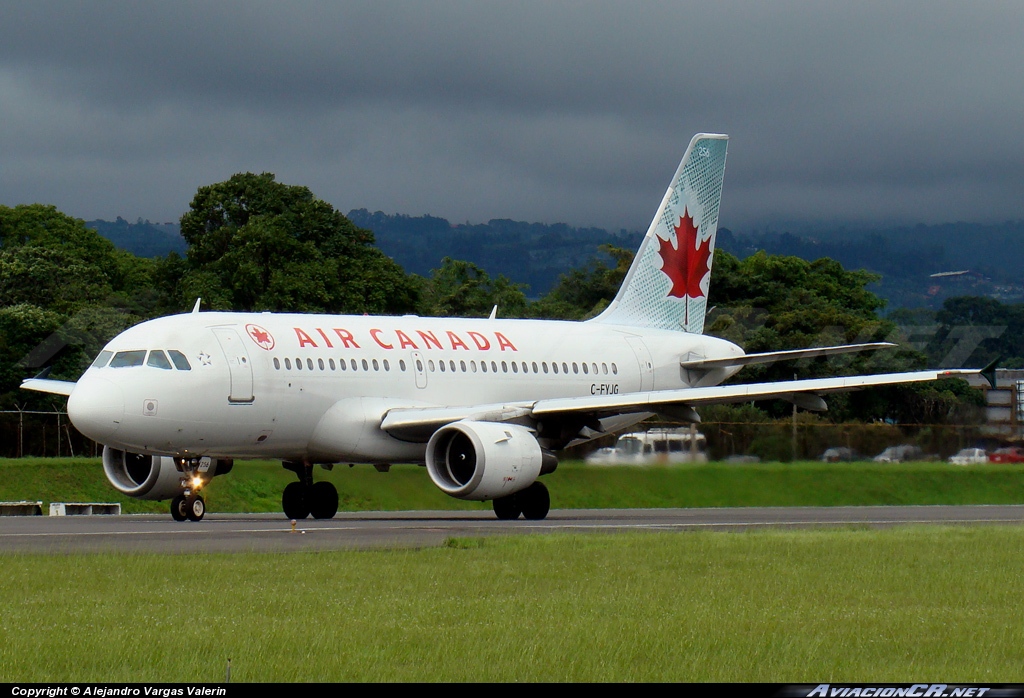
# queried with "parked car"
point(1010, 454)
point(969, 456)
point(900, 454)
point(838, 454)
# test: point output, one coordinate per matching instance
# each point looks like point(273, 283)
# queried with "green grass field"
point(256, 486)
point(904, 604)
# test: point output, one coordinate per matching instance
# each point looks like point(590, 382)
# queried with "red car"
point(1011, 454)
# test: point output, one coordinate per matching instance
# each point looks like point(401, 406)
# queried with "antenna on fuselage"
point(494, 312)
point(195, 308)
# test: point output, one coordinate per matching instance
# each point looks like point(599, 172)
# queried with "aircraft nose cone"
point(96, 408)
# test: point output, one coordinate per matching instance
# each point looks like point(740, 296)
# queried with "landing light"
point(197, 482)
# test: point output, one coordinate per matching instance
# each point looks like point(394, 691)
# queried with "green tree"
point(463, 289)
point(257, 244)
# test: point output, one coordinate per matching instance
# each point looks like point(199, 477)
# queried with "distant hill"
point(535, 254)
point(908, 258)
point(142, 238)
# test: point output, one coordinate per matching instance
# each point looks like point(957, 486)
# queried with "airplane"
point(484, 403)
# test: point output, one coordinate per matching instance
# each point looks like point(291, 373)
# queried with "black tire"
point(295, 501)
point(507, 508)
point(323, 500)
point(536, 501)
point(178, 512)
point(195, 508)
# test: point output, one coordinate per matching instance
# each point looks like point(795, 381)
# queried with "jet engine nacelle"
point(152, 477)
point(485, 460)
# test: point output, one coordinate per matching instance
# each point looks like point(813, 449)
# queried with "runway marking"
point(486, 527)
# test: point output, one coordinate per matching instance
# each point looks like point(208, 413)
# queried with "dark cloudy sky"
point(543, 111)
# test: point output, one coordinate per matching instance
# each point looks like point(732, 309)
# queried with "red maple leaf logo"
point(259, 335)
point(687, 265)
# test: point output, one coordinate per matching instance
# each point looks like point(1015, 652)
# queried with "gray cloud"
point(554, 111)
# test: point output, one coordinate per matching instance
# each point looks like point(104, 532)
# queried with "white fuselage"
point(264, 385)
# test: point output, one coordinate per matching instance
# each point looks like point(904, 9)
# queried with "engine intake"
point(485, 460)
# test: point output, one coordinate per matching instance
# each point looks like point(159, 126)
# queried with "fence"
point(43, 433)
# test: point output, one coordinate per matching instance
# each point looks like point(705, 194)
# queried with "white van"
point(654, 446)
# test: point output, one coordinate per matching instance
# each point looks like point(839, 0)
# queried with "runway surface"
point(273, 533)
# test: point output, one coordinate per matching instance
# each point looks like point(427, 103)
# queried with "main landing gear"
point(305, 497)
point(533, 503)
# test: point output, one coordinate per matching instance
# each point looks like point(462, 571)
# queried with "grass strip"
point(791, 606)
point(256, 486)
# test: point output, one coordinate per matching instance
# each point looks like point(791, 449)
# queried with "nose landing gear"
point(191, 507)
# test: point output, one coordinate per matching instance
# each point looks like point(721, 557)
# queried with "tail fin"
point(667, 285)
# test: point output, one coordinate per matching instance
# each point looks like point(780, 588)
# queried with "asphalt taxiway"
point(273, 533)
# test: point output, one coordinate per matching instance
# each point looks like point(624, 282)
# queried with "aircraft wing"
point(46, 385)
point(420, 422)
point(769, 357)
point(719, 394)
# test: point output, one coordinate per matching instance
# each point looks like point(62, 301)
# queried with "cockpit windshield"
point(137, 357)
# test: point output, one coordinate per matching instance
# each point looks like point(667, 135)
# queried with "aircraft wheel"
point(536, 501)
point(323, 502)
point(295, 501)
point(507, 508)
point(178, 510)
point(195, 508)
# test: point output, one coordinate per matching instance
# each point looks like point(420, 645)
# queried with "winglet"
point(195, 308)
point(494, 312)
point(989, 372)
point(45, 373)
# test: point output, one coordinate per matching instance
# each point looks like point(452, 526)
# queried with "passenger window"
point(298, 364)
point(515, 367)
point(157, 359)
point(309, 364)
point(593, 369)
point(604, 369)
point(526, 369)
point(331, 363)
point(102, 359)
point(615, 369)
point(320, 363)
point(575, 368)
point(355, 366)
point(342, 365)
point(440, 365)
point(565, 367)
point(584, 367)
point(554, 366)
point(483, 366)
point(451, 364)
point(288, 363)
point(127, 359)
point(277, 363)
point(387, 366)
point(376, 365)
point(504, 367)
point(366, 366)
point(401, 364)
point(462, 365)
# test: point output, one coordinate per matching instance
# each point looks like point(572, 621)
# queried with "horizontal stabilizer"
point(45, 385)
point(770, 357)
